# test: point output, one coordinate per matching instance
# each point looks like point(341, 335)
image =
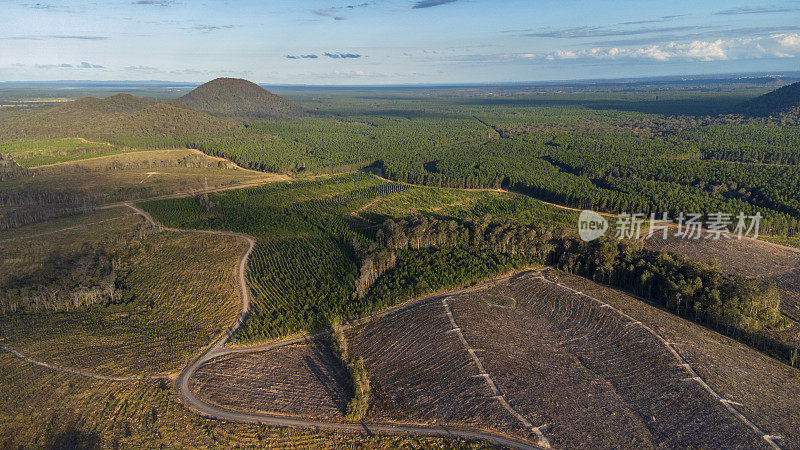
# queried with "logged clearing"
point(750, 258)
point(299, 380)
point(766, 391)
point(421, 373)
point(580, 374)
point(41, 408)
point(31, 153)
point(595, 379)
point(100, 224)
point(418, 373)
point(180, 294)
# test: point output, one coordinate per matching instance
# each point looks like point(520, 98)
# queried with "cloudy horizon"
point(393, 41)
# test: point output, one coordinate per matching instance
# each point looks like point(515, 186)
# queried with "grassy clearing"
point(135, 176)
point(788, 241)
point(182, 294)
point(91, 224)
point(38, 152)
point(464, 204)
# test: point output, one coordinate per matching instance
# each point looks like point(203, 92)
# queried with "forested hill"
point(783, 101)
point(119, 114)
point(115, 104)
point(233, 97)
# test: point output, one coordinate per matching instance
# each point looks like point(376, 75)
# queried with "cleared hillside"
point(233, 97)
point(749, 257)
point(172, 293)
point(523, 353)
point(765, 391)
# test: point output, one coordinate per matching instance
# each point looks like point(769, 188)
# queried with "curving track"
point(217, 349)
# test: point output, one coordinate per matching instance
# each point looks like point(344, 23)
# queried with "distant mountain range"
point(225, 104)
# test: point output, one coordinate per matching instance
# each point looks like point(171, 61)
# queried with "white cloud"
point(782, 45)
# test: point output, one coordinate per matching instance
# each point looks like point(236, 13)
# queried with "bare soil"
point(421, 373)
point(583, 373)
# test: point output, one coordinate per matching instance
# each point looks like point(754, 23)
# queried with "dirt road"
point(218, 349)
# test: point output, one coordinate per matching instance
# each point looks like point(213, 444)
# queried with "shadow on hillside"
point(700, 106)
point(397, 113)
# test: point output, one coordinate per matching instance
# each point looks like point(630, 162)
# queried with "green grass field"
point(790, 241)
point(39, 152)
point(464, 204)
point(135, 175)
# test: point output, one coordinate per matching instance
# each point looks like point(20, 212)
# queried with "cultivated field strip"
point(633, 362)
point(299, 380)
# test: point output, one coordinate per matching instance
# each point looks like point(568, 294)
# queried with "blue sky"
point(393, 41)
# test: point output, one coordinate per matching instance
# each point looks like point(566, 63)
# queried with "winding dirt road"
point(218, 349)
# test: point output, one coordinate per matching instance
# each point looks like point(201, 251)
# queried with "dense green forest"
point(331, 248)
point(315, 262)
point(579, 152)
point(683, 152)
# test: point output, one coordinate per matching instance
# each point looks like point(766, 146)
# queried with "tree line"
point(739, 306)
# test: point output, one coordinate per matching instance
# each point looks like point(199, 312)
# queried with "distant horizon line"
point(618, 80)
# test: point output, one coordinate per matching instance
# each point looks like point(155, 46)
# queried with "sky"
point(359, 42)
